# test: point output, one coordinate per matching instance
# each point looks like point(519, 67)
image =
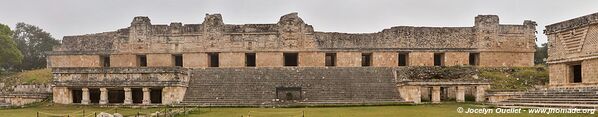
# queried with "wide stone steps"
point(555, 98)
point(553, 102)
point(259, 86)
point(546, 105)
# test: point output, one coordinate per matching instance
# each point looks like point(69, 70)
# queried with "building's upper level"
point(292, 42)
point(291, 33)
point(573, 40)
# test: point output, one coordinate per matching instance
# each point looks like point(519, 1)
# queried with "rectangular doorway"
point(576, 74)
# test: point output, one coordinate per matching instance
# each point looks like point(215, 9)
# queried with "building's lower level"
point(266, 86)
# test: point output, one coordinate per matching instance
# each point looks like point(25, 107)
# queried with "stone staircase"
point(319, 86)
point(586, 97)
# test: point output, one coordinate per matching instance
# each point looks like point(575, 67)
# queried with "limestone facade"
point(133, 64)
point(573, 52)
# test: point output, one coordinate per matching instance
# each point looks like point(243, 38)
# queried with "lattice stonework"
point(573, 40)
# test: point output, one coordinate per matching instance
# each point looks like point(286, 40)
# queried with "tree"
point(33, 43)
point(9, 53)
point(541, 54)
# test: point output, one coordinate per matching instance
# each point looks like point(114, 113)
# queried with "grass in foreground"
point(56, 110)
point(425, 110)
point(429, 110)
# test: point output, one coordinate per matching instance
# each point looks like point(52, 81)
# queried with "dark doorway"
point(288, 93)
point(403, 59)
point(366, 59)
point(116, 96)
point(213, 59)
point(438, 59)
point(94, 95)
point(330, 59)
point(178, 60)
point(77, 95)
point(137, 95)
point(105, 60)
point(474, 59)
point(428, 96)
point(576, 73)
point(250, 59)
point(444, 94)
point(291, 59)
point(156, 95)
point(142, 60)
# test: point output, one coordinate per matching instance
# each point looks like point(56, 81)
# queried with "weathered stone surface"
point(230, 86)
point(573, 42)
point(78, 63)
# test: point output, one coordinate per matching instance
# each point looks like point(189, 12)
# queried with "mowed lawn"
point(71, 111)
point(427, 110)
point(424, 110)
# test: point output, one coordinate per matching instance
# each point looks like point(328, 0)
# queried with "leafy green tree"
point(33, 43)
point(541, 54)
point(9, 53)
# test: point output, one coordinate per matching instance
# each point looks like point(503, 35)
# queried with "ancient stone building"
point(573, 52)
point(573, 68)
point(214, 63)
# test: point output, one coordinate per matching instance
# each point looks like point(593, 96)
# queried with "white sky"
point(77, 17)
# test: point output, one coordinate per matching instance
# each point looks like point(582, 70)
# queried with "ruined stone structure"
point(573, 52)
point(573, 68)
point(214, 63)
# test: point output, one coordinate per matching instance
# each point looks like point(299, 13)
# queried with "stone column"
point(416, 94)
point(103, 96)
point(436, 94)
point(480, 93)
point(146, 95)
point(460, 94)
point(85, 96)
point(128, 96)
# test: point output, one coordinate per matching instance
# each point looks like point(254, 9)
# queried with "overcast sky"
point(77, 17)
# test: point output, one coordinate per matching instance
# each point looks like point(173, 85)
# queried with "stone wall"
point(498, 45)
point(421, 59)
point(456, 58)
point(559, 74)
point(506, 59)
point(120, 77)
point(19, 99)
point(573, 42)
point(348, 59)
point(61, 95)
point(589, 70)
point(123, 60)
point(291, 34)
point(195, 60)
point(230, 59)
point(385, 59)
point(269, 59)
point(32, 89)
point(159, 60)
point(74, 61)
point(312, 59)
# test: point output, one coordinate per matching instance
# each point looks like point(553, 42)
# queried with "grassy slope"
point(38, 76)
point(520, 78)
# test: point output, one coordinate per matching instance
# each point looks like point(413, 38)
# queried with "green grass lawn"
point(425, 110)
point(428, 110)
point(56, 110)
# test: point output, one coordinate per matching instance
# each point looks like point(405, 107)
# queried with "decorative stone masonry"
point(411, 91)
